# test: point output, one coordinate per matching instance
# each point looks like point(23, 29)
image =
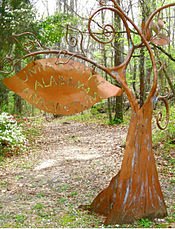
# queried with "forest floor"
point(66, 166)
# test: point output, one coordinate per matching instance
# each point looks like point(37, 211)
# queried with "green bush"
point(10, 132)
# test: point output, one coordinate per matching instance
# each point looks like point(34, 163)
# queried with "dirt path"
point(44, 187)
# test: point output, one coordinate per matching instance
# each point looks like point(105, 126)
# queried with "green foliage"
point(3, 96)
point(38, 206)
point(145, 223)
point(172, 218)
point(62, 200)
point(15, 17)
point(52, 29)
point(20, 219)
point(97, 108)
point(115, 121)
point(40, 195)
point(11, 134)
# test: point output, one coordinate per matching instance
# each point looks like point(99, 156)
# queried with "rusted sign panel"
point(60, 88)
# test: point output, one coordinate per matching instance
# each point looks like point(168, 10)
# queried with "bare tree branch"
point(166, 53)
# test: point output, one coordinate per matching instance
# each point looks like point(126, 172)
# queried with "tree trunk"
point(118, 118)
point(3, 97)
point(18, 104)
point(104, 54)
point(169, 82)
point(135, 192)
point(17, 98)
point(134, 78)
point(106, 77)
point(142, 76)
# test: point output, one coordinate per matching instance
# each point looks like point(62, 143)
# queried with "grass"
point(40, 195)
point(38, 206)
point(145, 223)
point(41, 216)
point(85, 117)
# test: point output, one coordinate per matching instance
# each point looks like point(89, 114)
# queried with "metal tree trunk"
point(135, 192)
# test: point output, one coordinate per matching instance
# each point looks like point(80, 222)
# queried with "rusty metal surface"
point(64, 89)
point(135, 192)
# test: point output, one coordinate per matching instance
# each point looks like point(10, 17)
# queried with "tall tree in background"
point(117, 61)
point(144, 15)
point(16, 16)
point(4, 38)
point(104, 59)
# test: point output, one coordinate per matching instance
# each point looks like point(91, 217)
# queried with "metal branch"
point(105, 30)
point(74, 40)
point(28, 43)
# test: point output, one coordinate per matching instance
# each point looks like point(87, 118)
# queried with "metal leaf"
point(154, 27)
point(148, 34)
point(160, 23)
point(161, 39)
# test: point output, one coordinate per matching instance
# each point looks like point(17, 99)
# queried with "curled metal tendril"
point(72, 41)
point(104, 3)
point(29, 45)
point(101, 3)
point(57, 62)
point(105, 31)
point(9, 62)
point(159, 115)
point(167, 95)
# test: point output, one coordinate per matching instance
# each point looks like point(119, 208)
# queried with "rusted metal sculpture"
point(64, 86)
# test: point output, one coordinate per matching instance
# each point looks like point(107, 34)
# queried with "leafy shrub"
point(145, 223)
point(10, 132)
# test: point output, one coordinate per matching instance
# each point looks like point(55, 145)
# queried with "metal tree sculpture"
point(65, 86)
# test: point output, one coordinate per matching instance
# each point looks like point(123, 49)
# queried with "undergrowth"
point(17, 134)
